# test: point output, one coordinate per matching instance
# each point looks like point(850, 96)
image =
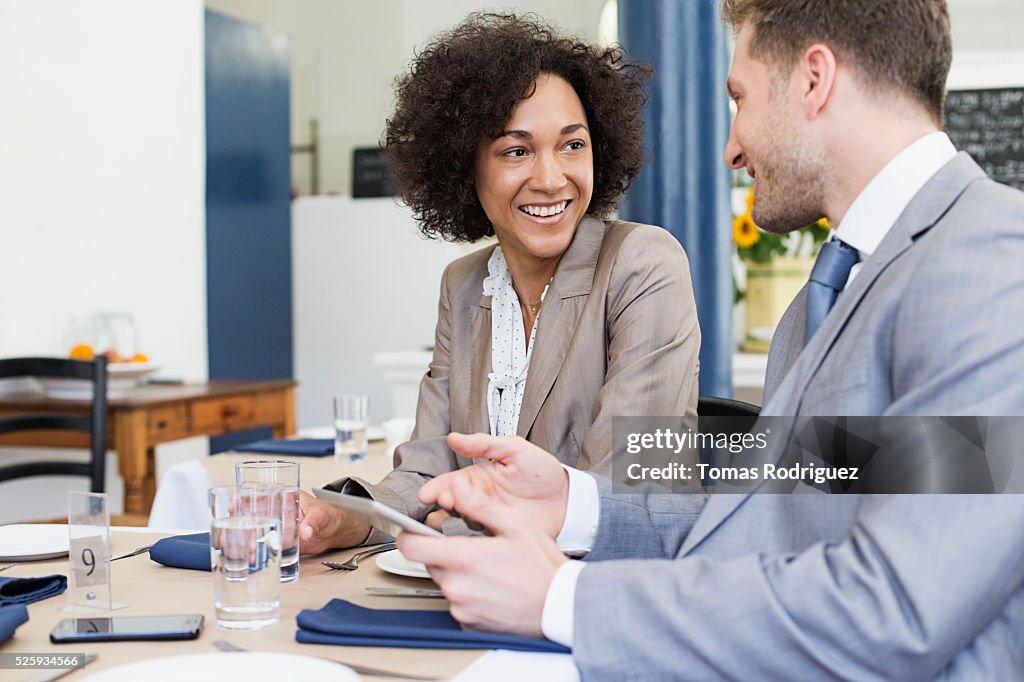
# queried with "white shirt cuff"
point(556, 620)
point(582, 513)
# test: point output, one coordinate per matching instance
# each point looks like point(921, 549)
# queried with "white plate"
point(373, 433)
point(121, 378)
point(33, 542)
point(228, 666)
point(395, 562)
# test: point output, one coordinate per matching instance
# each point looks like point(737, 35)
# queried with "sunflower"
point(744, 231)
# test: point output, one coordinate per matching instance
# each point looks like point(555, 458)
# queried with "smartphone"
point(121, 628)
point(374, 513)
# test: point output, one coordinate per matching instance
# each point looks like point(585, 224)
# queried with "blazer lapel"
point(927, 207)
point(559, 316)
point(480, 365)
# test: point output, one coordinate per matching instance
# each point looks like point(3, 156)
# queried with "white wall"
point(346, 53)
point(987, 25)
point(364, 281)
point(102, 158)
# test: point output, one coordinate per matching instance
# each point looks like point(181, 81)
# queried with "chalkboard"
point(370, 176)
point(989, 125)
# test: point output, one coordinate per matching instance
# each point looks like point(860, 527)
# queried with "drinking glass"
point(245, 556)
point(350, 423)
point(283, 475)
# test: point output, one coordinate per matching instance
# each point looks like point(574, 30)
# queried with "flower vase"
point(771, 287)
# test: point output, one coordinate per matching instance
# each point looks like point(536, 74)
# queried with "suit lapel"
point(786, 344)
point(559, 316)
point(927, 207)
point(930, 204)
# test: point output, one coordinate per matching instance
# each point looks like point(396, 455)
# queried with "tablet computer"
point(378, 515)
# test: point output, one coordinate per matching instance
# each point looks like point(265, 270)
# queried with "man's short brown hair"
point(903, 45)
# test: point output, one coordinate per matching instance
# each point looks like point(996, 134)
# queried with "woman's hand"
point(323, 526)
point(436, 519)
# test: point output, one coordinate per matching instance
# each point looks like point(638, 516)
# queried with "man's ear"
point(817, 73)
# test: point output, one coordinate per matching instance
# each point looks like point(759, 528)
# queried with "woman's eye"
point(576, 144)
point(517, 152)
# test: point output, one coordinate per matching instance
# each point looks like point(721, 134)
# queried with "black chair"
point(95, 424)
point(708, 406)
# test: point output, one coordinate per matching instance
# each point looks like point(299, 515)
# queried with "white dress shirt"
point(866, 223)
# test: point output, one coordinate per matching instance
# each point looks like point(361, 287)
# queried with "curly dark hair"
point(461, 89)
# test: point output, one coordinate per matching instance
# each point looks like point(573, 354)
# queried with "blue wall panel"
point(248, 205)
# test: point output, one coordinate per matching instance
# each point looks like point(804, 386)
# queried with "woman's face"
point(535, 180)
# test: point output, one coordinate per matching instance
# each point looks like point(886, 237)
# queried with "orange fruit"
point(82, 351)
point(140, 357)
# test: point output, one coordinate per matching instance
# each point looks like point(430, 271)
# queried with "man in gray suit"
point(914, 308)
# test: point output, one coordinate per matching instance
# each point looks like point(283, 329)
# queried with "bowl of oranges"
point(123, 374)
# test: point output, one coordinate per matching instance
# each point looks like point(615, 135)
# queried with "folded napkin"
point(10, 618)
point(299, 447)
point(183, 551)
point(344, 623)
point(28, 590)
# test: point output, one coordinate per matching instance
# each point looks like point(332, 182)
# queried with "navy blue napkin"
point(10, 618)
point(183, 551)
point(342, 622)
point(298, 447)
point(28, 590)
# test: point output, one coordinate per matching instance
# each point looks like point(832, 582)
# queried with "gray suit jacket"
point(617, 335)
point(815, 587)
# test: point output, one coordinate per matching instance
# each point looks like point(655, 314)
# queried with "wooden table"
point(151, 589)
point(150, 415)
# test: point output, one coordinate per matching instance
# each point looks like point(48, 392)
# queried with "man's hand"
point(495, 583)
point(323, 527)
point(519, 474)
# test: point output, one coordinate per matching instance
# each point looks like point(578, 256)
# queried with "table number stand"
point(89, 555)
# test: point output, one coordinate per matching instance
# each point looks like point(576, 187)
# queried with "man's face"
point(771, 138)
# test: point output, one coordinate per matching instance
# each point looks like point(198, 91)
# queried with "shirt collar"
point(880, 205)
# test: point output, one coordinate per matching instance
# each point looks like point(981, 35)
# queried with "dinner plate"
point(373, 433)
point(227, 666)
point(121, 378)
point(395, 562)
point(33, 542)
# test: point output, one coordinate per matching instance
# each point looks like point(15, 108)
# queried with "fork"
point(4, 567)
point(353, 562)
point(227, 646)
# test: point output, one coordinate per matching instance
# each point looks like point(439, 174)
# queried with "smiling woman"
point(503, 127)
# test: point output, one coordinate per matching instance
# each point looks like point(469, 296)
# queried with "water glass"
point(283, 475)
point(245, 556)
point(350, 421)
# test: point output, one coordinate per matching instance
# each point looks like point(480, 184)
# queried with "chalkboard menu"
point(370, 176)
point(989, 125)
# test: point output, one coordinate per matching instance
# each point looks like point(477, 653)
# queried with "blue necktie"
point(831, 270)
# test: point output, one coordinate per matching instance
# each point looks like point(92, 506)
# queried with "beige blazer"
point(617, 336)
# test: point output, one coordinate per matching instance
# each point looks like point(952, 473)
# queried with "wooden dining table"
point(153, 414)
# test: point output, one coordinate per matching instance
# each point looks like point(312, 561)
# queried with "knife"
point(50, 675)
point(405, 592)
point(125, 555)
